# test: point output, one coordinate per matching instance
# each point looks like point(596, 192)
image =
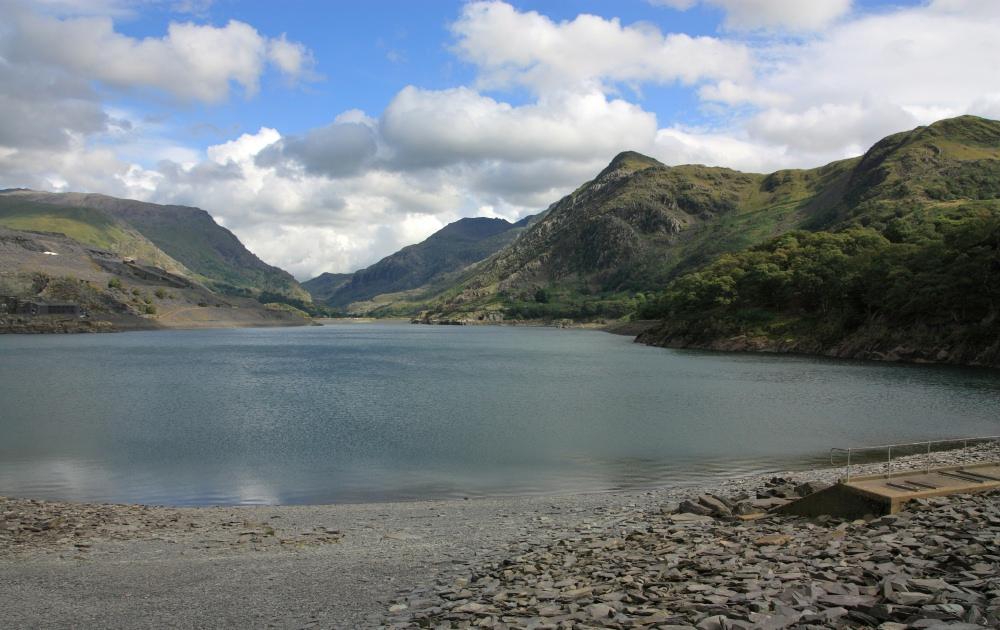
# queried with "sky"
point(327, 135)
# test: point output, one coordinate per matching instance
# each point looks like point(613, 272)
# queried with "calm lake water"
point(369, 412)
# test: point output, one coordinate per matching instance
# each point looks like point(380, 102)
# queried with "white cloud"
point(834, 94)
point(731, 148)
point(307, 223)
point(512, 188)
point(988, 106)
point(427, 128)
point(794, 15)
point(510, 47)
point(791, 14)
point(292, 58)
point(844, 128)
point(336, 150)
point(191, 62)
point(244, 148)
point(732, 93)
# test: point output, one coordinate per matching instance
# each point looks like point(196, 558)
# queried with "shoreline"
point(639, 330)
point(330, 565)
point(71, 327)
point(828, 474)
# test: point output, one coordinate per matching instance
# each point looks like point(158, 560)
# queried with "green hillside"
point(906, 266)
point(188, 236)
point(323, 286)
point(631, 230)
point(85, 225)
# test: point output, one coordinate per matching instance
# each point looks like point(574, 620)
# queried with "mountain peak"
point(632, 161)
point(967, 129)
point(473, 227)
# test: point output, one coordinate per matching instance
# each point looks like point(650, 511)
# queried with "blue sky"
point(366, 52)
point(327, 135)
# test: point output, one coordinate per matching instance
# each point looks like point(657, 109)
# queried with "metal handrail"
point(888, 447)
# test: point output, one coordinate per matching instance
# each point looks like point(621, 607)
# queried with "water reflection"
point(382, 412)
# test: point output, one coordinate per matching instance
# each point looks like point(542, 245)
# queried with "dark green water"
point(359, 412)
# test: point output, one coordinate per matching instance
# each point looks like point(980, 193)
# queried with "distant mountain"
point(424, 265)
point(323, 286)
point(178, 238)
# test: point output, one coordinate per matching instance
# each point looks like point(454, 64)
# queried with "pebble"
point(697, 564)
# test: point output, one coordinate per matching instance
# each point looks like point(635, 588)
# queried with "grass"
point(85, 225)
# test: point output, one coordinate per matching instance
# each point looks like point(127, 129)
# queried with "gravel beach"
point(594, 560)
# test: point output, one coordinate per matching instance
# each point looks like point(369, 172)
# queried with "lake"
point(372, 412)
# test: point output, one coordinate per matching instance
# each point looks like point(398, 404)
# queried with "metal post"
point(928, 467)
point(888, 468)
point(848, 465)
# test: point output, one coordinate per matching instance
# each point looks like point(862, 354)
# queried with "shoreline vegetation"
point(623, 559)
point(648, 332)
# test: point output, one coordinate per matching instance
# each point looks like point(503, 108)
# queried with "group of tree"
point(945, 274)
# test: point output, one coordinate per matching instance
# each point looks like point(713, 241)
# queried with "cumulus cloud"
point(794, 15)
point(336, 150)
point(40, 108)
point(191, 62)
point(307, 222)
point(291, 58)
point(730, 148)
point(509, 189)
point(835, 94)
point(427, 128)
point(511, 47)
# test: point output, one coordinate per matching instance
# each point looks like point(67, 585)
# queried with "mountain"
point(107, 291)
point(630, 230)
point(178, 238)
point(903, 265)
point(394, 281)
point(323, 286)
point(891, 255)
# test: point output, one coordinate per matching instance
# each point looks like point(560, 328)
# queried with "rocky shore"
point(898, 348)
point(644, 559)
point(697, 565)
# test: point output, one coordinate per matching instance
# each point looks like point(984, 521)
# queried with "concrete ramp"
point(887, 493)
